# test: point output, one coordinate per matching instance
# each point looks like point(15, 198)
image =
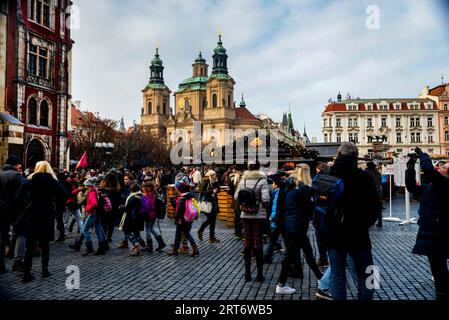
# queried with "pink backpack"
point(192, 211)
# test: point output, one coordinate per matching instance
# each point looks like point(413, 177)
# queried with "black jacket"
point(42, 196)
point(433, 234)
point(360, 206)
point(298, 207)
point(10, 182)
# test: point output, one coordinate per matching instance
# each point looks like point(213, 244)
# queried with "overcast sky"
point(281, 53)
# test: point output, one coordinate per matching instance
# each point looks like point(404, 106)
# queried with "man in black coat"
point(10, 181)
point(433, 235)
point(347, 228)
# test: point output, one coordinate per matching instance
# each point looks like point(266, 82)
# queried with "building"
point(383, 125)
point(35, 61)
point(204, 97)
point(440, 94)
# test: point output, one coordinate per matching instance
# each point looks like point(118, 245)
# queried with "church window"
point(214, 100)
point(32, 111)
point(150, 108)
point(43, 119)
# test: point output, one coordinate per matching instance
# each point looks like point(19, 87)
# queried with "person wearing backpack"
point(183, 206)
point(149, 209)
point(347, 227)
point(253, 198)
point(110, 187)
point(210, 188)
point(296, 216)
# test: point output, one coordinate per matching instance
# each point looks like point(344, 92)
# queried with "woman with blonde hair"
point(296, 216)
point(42, 195)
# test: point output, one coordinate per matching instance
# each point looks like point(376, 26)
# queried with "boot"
point(247, 259)
point(212, 239)
point(136, 249)
point(143, 245)
point(89, 249)
point(149, 245)
point(77, 245)
point(160, 243)
point(184, 249)
point(101, 248)
point(123, 245)
point(200, 235)
point(259, 264)
point(28, 277)
point(173, 252)
point(195, 251)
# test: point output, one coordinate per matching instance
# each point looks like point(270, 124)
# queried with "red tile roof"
point(244, 114)
point(341, 106)
point(437, 91)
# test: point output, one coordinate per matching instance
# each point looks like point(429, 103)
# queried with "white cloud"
point(280, 52)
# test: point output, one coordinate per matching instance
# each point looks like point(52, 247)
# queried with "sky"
point(284, 53)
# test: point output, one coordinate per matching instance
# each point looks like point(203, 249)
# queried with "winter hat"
point(13, 160)
point(90, 182)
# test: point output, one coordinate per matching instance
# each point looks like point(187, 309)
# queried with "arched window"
point(186, 105)
point(229, 100)
point(150, 108)
point(43, 119)
point(214, 100)
point(32, 111)
point(164, 108)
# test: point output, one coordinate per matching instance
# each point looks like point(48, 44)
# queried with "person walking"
point(347, 227)
point(296, 216)
point(433, 234)
point(149, 209)
point(110, 187)
point(253, 197)
point(10, 181)
point(209, 192)
point(43, 195)
point(183, 226)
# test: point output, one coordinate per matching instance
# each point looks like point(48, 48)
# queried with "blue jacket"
point(275, 195)
point(298, 207)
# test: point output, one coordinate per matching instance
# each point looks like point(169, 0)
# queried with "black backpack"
point(247, 199)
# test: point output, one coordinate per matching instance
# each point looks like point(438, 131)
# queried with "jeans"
point(77, 215)
point(362, 259)
point(319, 235)
point(183, 228)
point(325, 282)
point(19, 252)
point(149, 229)
point(438, 266)
point(93, 220)
point(271, 245)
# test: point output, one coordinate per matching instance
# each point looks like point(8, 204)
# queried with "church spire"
point(242, 103)
point(157, 69)
point(220, 58)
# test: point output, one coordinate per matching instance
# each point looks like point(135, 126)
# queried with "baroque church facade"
point(204, 97)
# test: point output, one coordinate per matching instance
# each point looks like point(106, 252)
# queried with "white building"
point(401, 124)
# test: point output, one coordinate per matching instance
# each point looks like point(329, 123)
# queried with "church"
point(204, 97)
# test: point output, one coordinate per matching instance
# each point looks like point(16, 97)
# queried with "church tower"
point(220, 110)
point(190, 98)
point(156, 99)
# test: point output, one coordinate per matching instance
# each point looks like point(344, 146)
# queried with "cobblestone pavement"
point(217, 274)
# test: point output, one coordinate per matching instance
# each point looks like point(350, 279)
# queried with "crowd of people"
point(273, 213)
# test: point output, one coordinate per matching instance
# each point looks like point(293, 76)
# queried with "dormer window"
point(352, 107)
point(369, 106)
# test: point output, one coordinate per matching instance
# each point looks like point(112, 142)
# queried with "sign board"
point(400, 165)
point(388, 169)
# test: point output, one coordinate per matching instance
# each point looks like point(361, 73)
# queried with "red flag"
point(83, 161)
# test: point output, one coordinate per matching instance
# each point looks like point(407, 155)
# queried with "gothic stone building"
point(35, 61)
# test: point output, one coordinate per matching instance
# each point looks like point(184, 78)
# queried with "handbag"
point(205, 206)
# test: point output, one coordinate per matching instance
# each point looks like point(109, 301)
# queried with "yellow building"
point(201, 97)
